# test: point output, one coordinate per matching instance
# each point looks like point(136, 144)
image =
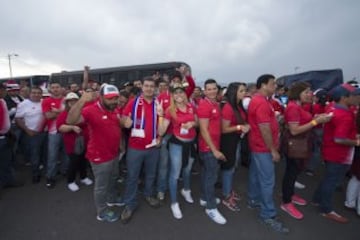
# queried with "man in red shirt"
point(339, 140)
point(264, 144)
point(103, 122)
point(164, 99)
point(140, 115)
point(209, 115)
point(52, 107)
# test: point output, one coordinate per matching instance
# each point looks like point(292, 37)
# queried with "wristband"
point(314, 122)
point(238, 127)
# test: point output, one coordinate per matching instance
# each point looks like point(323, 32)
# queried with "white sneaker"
point(86, 181)
point(73, 187)
point(215, 215)
point(203, 202)
point(187, 195)
point(299, 185)
point(176, 210)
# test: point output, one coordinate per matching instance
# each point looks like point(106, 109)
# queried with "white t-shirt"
point(32, 114)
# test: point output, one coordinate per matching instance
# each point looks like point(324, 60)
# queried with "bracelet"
point(238, 127)
point(314, 122)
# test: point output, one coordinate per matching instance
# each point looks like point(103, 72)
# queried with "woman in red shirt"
point(76, 154)
point(234, 127)
point(181, 114)
point(298, 122)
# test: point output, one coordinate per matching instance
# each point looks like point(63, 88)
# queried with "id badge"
point(184, 131)
point(140, 133)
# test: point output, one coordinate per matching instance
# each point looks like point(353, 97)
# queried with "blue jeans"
point(134, 161)
point(35, 145)
point(209, 173)
point(56, 150)
point(106, 175)
point(228, 174)
point(261, 183)
point(334, 174)
point(175, 151)
point(6, 170)
point(163, 167)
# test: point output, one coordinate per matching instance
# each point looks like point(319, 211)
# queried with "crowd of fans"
point(161, 125)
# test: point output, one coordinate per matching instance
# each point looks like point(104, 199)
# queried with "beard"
point(110, 107)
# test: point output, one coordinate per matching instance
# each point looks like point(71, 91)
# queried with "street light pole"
point(9, 58)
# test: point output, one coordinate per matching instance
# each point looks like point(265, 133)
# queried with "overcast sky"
point(229, 40)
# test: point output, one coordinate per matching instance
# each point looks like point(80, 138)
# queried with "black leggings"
point(77, 164)
point(293, 168)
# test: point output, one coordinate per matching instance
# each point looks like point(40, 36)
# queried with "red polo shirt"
point(182, 117)
point(211, 111)
point(294, 113)
point(341, 126)
point(104, 133)
point(47, 104)
point(261, 112)
point(138, 142)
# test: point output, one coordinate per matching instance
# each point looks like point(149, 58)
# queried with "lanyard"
point(139, 101)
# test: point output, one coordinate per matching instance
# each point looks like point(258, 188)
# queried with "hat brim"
point(111, 95)
point(177, 88)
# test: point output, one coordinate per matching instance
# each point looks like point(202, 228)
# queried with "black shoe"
point(126, 215)
point(153, 202)
point(50, 183)
point(35, 179)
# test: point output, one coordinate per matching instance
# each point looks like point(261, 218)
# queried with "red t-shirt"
point(4, 117)
point(227, 113)
point(294, 113)
point(47, 104)
point(308, 107)
point(261, 112)
point(69, 137)
point(341, 126)
point(276, 104)
point(139, 142)
point(182, 117)
point(318, 109)
point(211, 111)
point(104, 133)
point(164, 98)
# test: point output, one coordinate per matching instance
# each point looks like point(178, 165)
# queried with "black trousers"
point(77, 164)
point(292, 170)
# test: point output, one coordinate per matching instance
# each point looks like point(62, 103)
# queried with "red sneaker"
point(292, 210)
point(335, 217)
point(298, 200)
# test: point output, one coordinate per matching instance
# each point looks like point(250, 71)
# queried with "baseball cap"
point(71, 96)
point(344, 90)
point(11, 85)
point(176, 86)
point(109, 91)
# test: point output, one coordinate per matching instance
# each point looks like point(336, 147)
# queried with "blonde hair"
point(172, 107)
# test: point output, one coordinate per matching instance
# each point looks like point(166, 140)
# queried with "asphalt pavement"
point(35, 212)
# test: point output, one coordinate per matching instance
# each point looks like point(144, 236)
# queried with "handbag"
point(79, 147)
point(297, 146)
